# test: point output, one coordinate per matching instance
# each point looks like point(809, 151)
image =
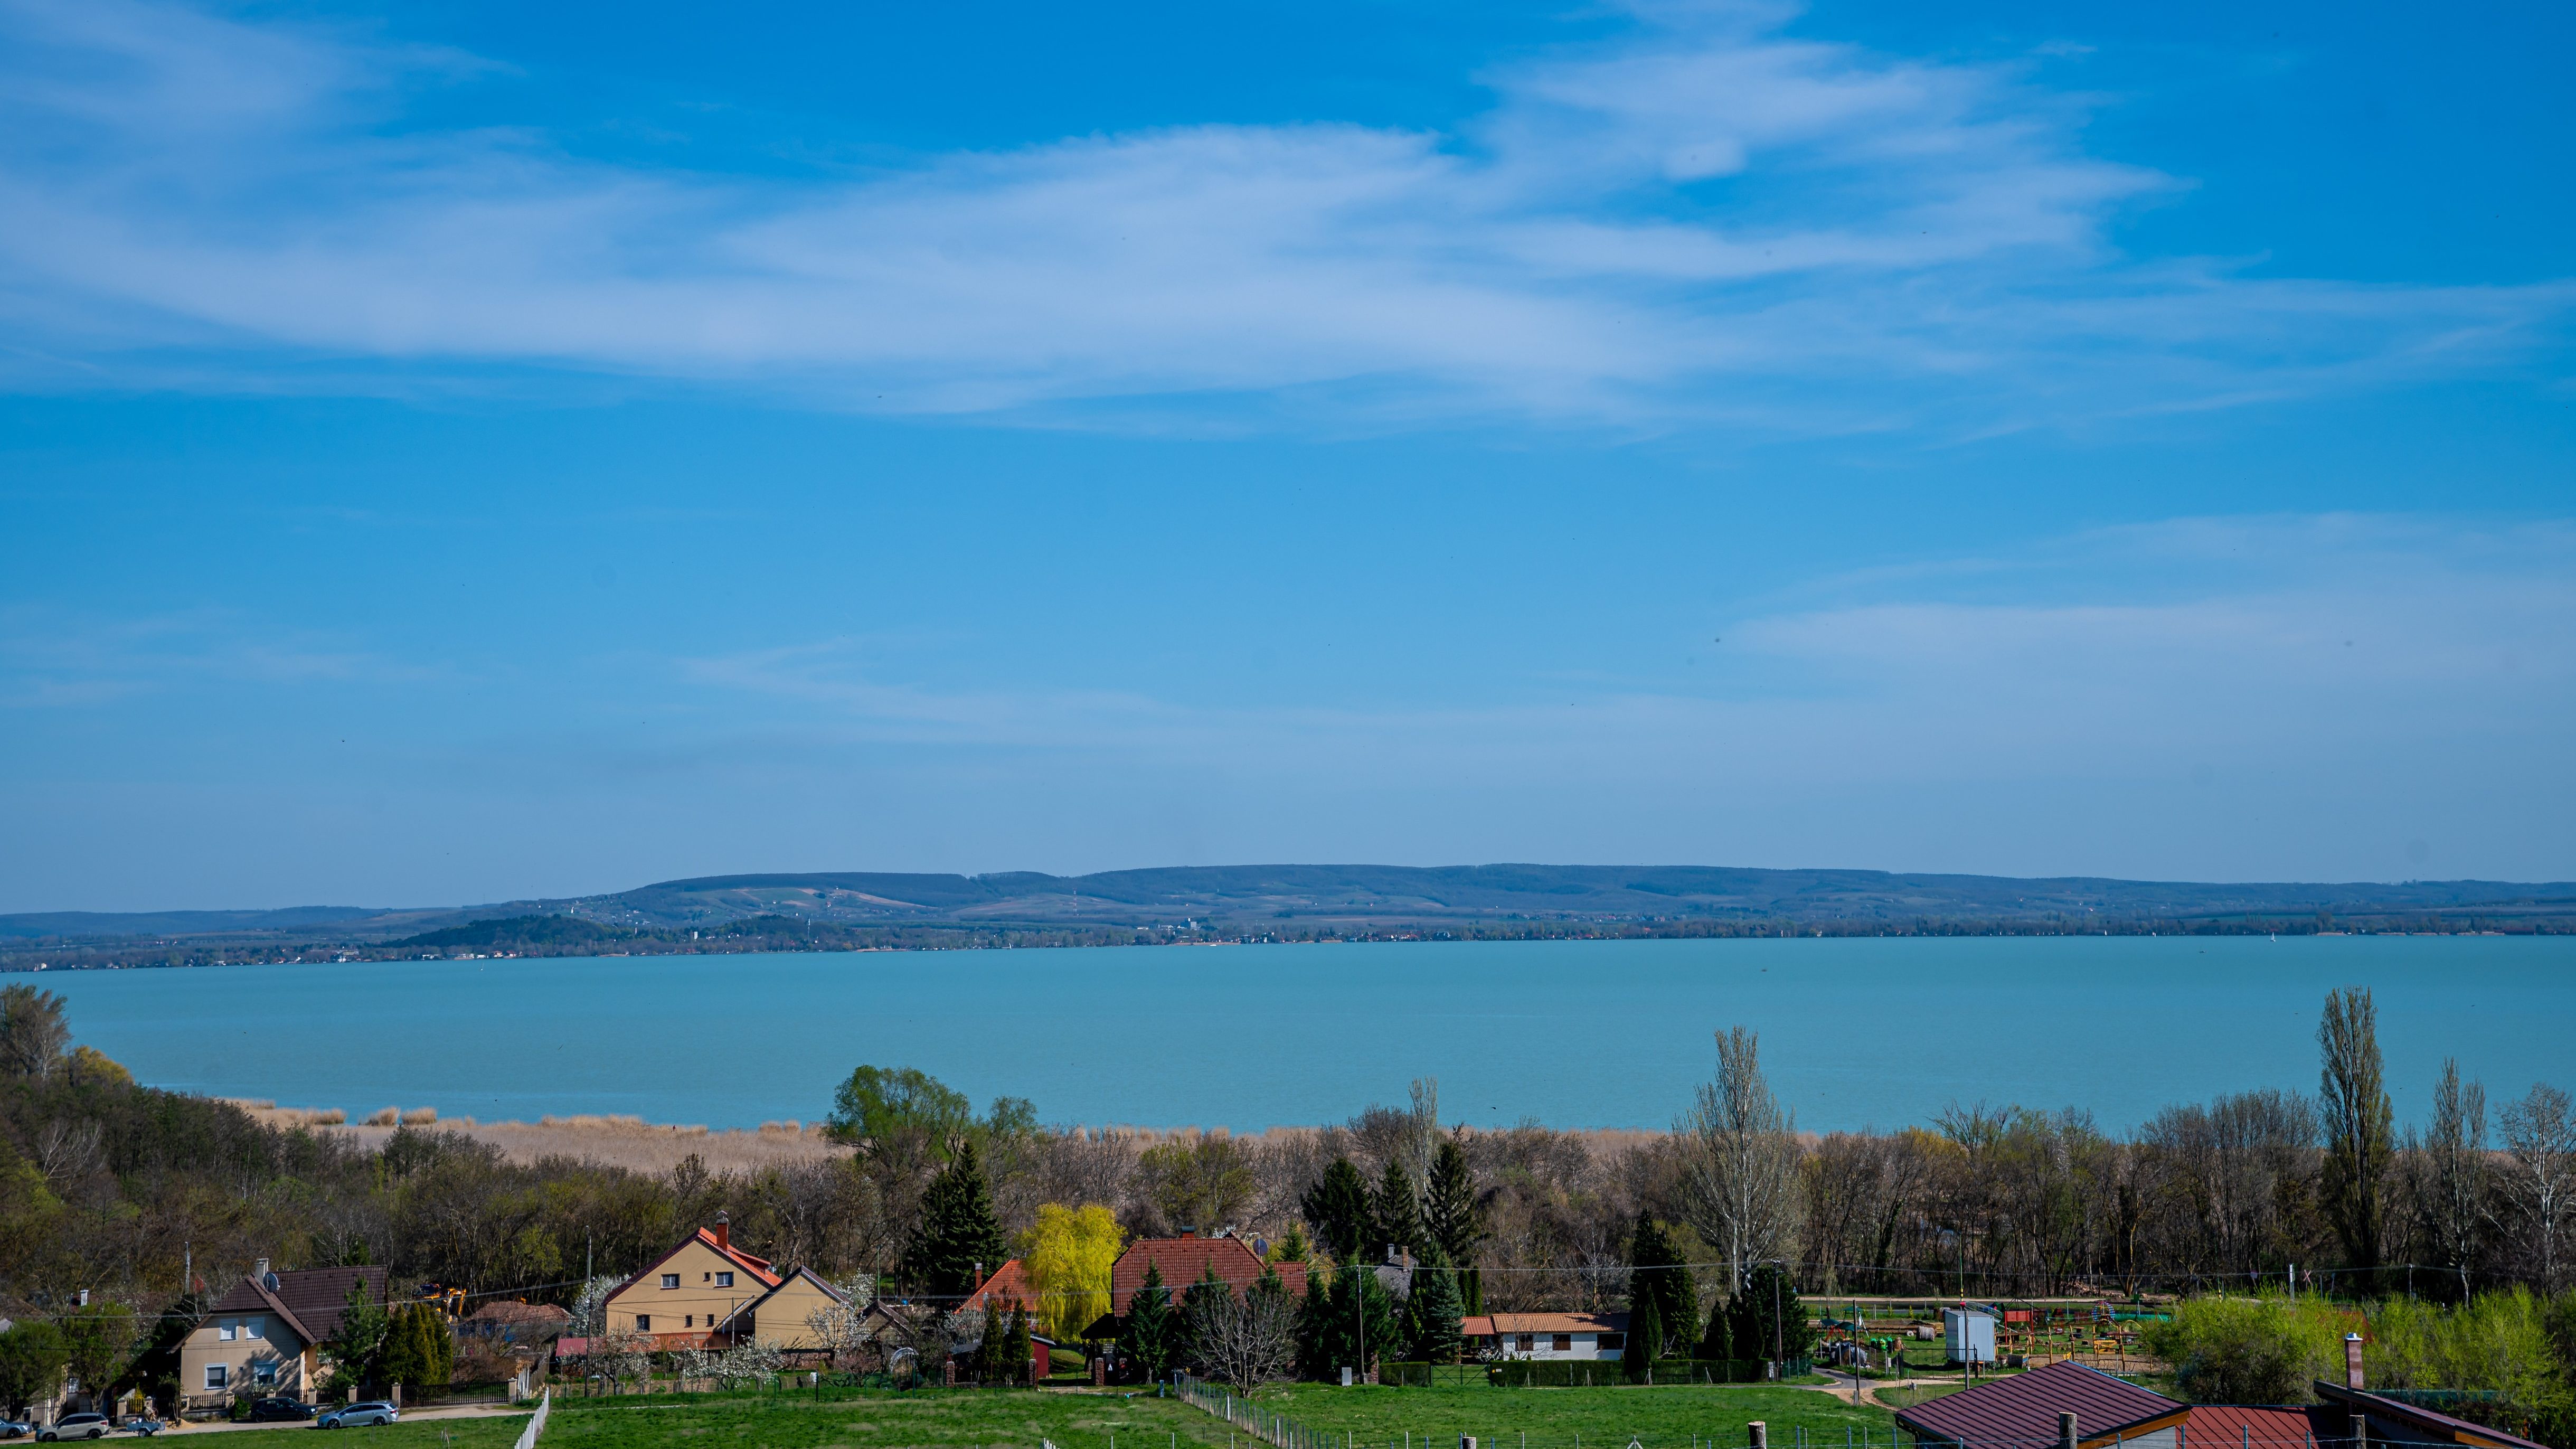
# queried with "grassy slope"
point(1610, 1417)
point(497, 1431)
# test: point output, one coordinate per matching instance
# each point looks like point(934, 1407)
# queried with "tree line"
point(121, 1191)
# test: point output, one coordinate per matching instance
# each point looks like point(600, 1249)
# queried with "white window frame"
point(724, 1280)
point(670, 1280)
point(216, 1377)
point(226, 1330)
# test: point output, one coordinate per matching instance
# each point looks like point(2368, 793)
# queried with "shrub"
point(2251, 1350)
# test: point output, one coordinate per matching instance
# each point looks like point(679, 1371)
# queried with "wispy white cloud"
point(2265, 642)
point(1710, 219)
point(53, 658)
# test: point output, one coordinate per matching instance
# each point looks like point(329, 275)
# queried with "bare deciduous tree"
point(1740, 1173)
point(1246, 1339)
point(2540, 1138)
point(2452, 1201)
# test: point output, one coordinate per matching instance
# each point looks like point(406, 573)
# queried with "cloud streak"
point(1709, 220)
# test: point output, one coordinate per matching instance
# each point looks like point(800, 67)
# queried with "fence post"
point(1760, 1434)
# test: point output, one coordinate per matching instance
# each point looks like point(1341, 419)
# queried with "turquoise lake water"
point(1860, 1032)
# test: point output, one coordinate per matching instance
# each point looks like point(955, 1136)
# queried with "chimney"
point(724, 1231)
point(2066, 1435)
point(1189, 1232)
point(261, 1272)
point(2352, 1362)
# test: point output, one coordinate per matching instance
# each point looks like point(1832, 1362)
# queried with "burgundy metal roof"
point(2023, 1408)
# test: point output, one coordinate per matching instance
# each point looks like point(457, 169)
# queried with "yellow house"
point(263, 1336)
point(784, 1315)
point(683, 1298)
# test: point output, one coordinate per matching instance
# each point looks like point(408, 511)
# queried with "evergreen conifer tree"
point(1645, 1342)
point(1395, 1217)
point(1202, 1298)
point(957, 1230)
point(1316, 1343)
point(1455, 1221)
point(1719, 1341)
point(1660, 1283)
point(992, 1354)
point(1017, 1346)
point(1431, 1313)
point(1146, 1337)
point(1337, 1208)
point(1770, 1322)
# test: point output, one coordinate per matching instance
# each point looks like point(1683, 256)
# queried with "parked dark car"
point(75, 1426)
point(274, 1410)
point(363, 1412)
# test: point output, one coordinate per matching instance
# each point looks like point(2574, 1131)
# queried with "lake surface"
point(1855, 1032)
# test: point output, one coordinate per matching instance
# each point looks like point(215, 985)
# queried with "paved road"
point(450, 1411)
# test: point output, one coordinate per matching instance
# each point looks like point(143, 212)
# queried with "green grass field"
point(1002, 1418)
point(496, 1432)
point(1658, 1418)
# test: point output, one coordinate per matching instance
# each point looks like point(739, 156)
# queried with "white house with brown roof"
point(264, 1335)
point(1586, 1337)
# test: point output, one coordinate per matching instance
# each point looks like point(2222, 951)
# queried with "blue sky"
point(455, 452)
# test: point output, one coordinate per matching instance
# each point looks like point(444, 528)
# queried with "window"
point(643, 1323)
point(1610, 1341)
point(1564, 1343)
point(214, 1376)
point(250, 1328)
point(688, 1320)
point(670, 1280)
point(1529, 1341)
point(263, 1373)
point(226, 1330)
point(724, 1280)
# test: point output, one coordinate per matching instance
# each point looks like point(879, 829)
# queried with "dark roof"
point(2023, 1408)
point(1183, 1261)
point(2438, 1427)
point(310, 1299)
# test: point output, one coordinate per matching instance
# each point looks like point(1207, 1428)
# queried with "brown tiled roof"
point(310, 1299)
point(2023, 1408)
point(1184, 1260)
point(1008, 1284)
point(511, 1311)
point(2238, 1426)
point(1550, 1323)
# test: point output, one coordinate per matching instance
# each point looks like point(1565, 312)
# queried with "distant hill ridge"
point(1256, 898)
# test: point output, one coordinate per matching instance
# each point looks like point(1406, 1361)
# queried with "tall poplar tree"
point(2360, 1128)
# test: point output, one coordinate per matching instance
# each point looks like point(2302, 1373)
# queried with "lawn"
point(481, 1432)
point(1002, 1418)
point(1676, 1417)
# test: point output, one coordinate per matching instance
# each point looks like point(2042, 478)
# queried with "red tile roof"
point(1008, 1284)
point(1184, 1260)
point(1545, 1323)
point(2246, 1426)
point(2023, 1408)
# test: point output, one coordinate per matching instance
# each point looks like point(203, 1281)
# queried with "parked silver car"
point(359, 1414)
point(15, 1429)
point(74, 1426)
